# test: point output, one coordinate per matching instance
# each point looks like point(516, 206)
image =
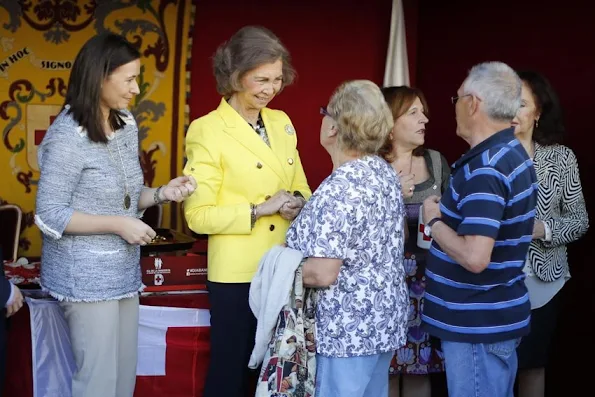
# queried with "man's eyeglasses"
point(325, 112)
point(454, 99)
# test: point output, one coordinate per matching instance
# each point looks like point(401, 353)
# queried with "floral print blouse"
point(357, 215)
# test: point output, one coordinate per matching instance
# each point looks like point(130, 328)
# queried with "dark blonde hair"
point(362, 116)
point(399, 100)
point(249, 48)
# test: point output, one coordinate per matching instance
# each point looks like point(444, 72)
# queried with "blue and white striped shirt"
point(492, 193)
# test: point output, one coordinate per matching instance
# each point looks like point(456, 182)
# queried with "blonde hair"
point(363, 117)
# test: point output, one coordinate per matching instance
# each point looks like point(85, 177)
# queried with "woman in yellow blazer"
point(251, 185)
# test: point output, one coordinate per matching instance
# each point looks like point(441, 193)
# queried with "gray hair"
point(363, 117)
point(249, 48)
point(499, 88)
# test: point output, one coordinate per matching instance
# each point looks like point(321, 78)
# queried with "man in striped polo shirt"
point(476, 301)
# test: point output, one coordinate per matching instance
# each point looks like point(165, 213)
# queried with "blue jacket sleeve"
point(5, 287)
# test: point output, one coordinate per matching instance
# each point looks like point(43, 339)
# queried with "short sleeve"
point(6, 289)
point(334, 219)
point(482, 202)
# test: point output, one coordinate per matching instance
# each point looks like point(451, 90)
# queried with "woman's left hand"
point(538, 230)
point(407, 184)
point(178, 189)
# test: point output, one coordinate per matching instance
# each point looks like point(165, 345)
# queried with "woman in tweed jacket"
point(90, 197)
point(561, 218)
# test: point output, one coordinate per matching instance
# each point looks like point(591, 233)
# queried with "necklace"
point(410, 166)
point(411, 163)
point(127, 200)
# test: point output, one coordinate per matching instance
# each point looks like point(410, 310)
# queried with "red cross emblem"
point(39, 119)
point(421, 230)
point(39, 134)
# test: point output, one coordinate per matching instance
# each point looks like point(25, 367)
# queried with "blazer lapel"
point(279, 143)
point(240, 130)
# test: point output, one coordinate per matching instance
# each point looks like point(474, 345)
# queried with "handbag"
point(289, 365)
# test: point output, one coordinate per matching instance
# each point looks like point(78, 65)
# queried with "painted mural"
point(38, 43)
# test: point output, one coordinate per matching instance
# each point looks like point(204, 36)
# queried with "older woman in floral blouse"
point(351, 231)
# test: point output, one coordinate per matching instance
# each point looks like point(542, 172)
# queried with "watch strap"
point(434, 220)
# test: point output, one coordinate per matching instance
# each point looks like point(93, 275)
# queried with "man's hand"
point(16, 303)
point(431, 208)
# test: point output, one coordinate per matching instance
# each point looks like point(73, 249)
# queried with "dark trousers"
point(3, 332)
point(233, 327)
point(534, 350)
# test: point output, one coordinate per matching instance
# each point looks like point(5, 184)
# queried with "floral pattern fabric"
point(289, 365)
point(261, 130)
point(357, 215)
point(420, 355)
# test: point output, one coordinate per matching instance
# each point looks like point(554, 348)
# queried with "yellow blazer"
point(234, 167)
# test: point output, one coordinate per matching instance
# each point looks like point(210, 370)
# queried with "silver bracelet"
point(156, 196)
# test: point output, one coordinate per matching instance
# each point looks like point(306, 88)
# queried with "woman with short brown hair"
point(250, 47)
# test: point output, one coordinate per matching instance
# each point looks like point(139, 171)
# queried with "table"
point(186, 358)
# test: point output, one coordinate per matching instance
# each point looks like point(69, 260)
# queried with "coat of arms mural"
point(38, 43)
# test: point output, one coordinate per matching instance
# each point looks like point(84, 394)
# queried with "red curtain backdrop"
point(557, 40)
point(332, 41)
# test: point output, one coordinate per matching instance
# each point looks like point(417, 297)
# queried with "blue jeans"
point(364, 376)
point(481, 369)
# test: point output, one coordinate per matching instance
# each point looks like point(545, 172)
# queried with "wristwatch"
point(428, 226)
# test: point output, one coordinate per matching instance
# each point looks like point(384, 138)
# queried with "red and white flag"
point(173, 351)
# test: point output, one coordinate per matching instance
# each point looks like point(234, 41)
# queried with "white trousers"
point(104, 337)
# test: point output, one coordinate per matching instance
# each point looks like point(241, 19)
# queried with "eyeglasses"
point(325, 112)
point(454, 99)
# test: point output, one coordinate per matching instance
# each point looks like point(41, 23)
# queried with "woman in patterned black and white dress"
point(561, 218)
